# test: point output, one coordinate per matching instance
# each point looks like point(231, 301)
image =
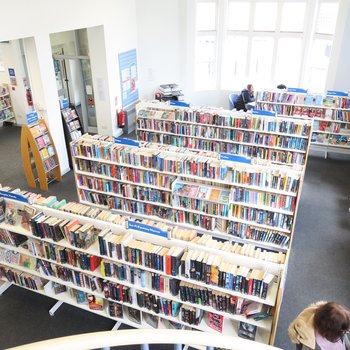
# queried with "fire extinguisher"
point(121, 118)
point(29, 97)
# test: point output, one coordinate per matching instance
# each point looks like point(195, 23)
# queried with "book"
point(134, 315)
point(59, 288)
point(2, 209)
point(11, 214)
point(215, 321)
point(152, 320)
point(247, 331)
point(95, 303)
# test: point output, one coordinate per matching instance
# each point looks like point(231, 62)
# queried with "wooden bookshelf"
point(330, 114)
point(6, 107)
point(39, 155)
point(31, 256)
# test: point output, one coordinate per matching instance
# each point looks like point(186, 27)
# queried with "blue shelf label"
point(337, 93)
point(265, 113)
point(234, 158)
point(32, 118)
point(178, 103)
point(13, 196)
point(138, 226)
point(298, 90)
point(64, 103)
point(125, 141)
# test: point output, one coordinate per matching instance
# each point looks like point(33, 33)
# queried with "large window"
point(264, 42)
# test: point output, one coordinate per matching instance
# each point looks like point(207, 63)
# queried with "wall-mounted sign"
point(32, 118)
point(128, 77)
point(13, 80)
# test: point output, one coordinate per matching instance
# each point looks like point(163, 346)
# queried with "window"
point(264, 42)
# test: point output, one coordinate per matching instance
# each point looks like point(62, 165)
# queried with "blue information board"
point(297, 90)
point(264, 113)
point(179, 103)
point(13, 196)
point(234, 158)
point(138, 226)
point(125, 141)
point(32, 118)
point(128, 77)
point(337, 93)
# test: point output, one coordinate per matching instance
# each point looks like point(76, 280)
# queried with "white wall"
point(10, 54)
point(119, 20)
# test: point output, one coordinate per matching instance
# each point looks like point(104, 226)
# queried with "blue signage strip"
point(125, 141)
point(178, 103)
point(234, 158)
point(13, 196)
point(265, 113)
point(138, 226)
point(337, 93)
point(298, 90)
point(32, 118)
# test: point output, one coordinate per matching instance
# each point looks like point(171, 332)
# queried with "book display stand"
point(6, 109)
point(72, 127)
point(39, 156)
point(137, 272)
point(226, 197)
point(330, 114)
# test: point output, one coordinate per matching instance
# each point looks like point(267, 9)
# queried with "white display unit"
point(330, 114)
point(230, 321)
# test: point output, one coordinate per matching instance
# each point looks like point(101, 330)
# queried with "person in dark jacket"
point(246, 96)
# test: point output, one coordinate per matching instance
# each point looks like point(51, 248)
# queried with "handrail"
point(97, 340)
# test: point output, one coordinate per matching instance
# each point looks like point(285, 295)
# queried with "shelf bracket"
point(177, 346)
point(116, 326)
point(4, 287)
point(144, 347)
point(55, 307)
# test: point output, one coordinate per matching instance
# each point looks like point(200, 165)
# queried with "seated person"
point(281, 87)
point(246, 96)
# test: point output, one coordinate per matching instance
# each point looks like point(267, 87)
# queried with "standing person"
point(321, 326)
point(246, 96)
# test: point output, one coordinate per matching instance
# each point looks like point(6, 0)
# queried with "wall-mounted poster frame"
point(128, 77)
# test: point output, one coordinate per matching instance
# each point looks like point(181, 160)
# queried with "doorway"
point(70, 52)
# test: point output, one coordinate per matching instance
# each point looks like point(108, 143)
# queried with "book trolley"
point(132, 271)
point(230, 198)
point(330, 114)
point(39, 156)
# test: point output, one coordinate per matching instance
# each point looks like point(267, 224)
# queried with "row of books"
point(69, 114)
point(250, 151)
point(5, 102)
point(246, 231)
point(329, 126)
point(38, 129)
point(230, 135)
point(238, 174)
point(330, 139)
point(47, 152)
point(21, 278)
point(125, 190)
point(49, 164)
point(43, 141)
point(171, 121)
point(6, 114)
point(304, 99)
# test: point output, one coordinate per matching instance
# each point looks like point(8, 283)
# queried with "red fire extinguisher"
point(29, 97)
point(121, 118)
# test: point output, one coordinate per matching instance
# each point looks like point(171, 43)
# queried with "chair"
point(232, 98)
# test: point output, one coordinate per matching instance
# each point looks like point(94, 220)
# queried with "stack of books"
point(169, 92)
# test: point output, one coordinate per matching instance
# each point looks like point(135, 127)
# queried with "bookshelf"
point(330, 114)
point(135, 268)
point(72, 127)
point(6, 108)
point(258, 134)
point(39, 156)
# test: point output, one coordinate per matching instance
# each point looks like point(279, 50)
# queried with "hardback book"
point(95, 303)
point(152, 320)
point(215, 321)
point(247, 331)
point(134, 315)
point(59, 288)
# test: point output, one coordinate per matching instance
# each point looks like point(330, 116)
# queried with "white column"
point(45, 97)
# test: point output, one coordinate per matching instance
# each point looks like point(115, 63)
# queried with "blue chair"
point(232, 98)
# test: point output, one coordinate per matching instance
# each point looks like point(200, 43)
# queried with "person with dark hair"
point(246, 96)
point(321, 326)
point(281, 86)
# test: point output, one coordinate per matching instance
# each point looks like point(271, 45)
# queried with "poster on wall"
point(13, 80)
point(128, 77)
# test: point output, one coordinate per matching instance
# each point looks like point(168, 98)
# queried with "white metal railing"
point(104, 340)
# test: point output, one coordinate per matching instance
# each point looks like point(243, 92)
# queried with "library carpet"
point(318, 269)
